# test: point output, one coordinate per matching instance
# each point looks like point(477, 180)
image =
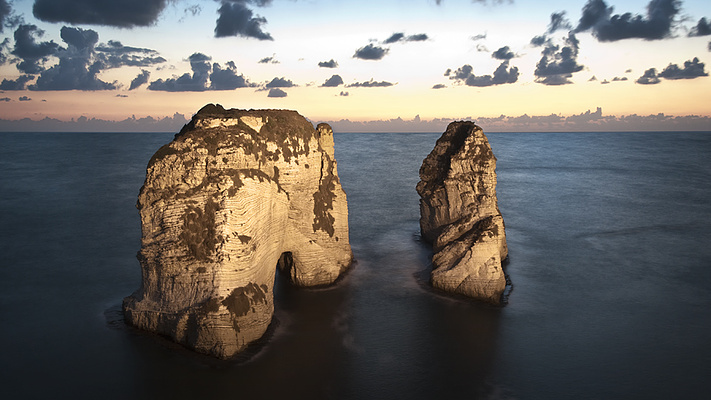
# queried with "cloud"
point(502, 75)
point(371, 52)
point(31, 53)
point(5, 11)
point(268, 60)
point(538, 41)
point(504, 53)
point(619, 79)
point(692, 69)
point(17, 84)
point(328, 64)
point(702, 28)
point(280, 83)
point(606, 27)
point(400, 37)
point(395, 37)
point(77, 68)
point(5, 99)
point(139, 80)
point(276, 93)
point(480, 36)
point(25, 98)
point(119, 13)
point(122, 95)
point(343, 94)
point(558, 22)
point(439, 86)
point(237, 20)
point(203, 71)
point(558, 64)
point(649, 77)
point(227, 78)
point(481, 48)
point(333, 81)
point(114, 55)
point(369, 84)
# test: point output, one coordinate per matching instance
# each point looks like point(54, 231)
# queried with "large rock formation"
point(460, 216)
point(234, 194)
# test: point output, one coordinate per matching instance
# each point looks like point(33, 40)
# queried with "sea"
point(609, 242)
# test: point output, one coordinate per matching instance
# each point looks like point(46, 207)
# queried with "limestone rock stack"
point(459, 214)
point(235, 194)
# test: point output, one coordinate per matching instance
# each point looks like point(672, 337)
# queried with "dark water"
point(610, 257)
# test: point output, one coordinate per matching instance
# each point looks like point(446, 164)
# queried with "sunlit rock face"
point(235, 194)
point(460, 216)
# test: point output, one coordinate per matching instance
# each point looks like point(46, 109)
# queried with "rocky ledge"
point(234, 195)
point(459, 214)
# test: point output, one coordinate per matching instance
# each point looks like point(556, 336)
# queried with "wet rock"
point(235, 194)
point(460, 216)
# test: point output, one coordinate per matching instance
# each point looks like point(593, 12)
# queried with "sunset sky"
point(357, 60)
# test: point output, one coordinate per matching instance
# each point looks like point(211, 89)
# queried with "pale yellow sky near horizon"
point(306, 33)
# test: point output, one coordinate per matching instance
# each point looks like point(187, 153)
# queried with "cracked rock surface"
point(235, 195)
point(460, 216)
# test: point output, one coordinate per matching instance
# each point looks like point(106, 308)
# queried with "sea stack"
point(235, 195)
point(459, 214)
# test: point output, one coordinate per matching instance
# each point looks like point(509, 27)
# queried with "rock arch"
point(221, 207)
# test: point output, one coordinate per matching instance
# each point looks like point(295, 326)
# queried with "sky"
point(360, 65)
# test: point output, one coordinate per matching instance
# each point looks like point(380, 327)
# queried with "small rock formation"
point(235, 194)
point(460, 216)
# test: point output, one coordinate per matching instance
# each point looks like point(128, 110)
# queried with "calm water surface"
point(610, 253)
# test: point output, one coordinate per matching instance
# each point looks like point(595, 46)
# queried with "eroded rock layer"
point(234, 194)
point(460, 216)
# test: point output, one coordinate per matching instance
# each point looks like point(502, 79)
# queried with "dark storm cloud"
point(77, 68)
point(649, 77)
point(139, 80)
point(702, 28)
point(280, 83)
point(559, 22)
point(333, 81)
point(369, 84)
point(370, 52)
point(606, 27)
point(502, 75)
point(400, 37)
point(17, 84)
point(328, 64)
point(32, 54)
point(558, 64)
point(235, 19)
point(276, 93)
point(504, 53)
point(120, 13)
point(227, 78)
